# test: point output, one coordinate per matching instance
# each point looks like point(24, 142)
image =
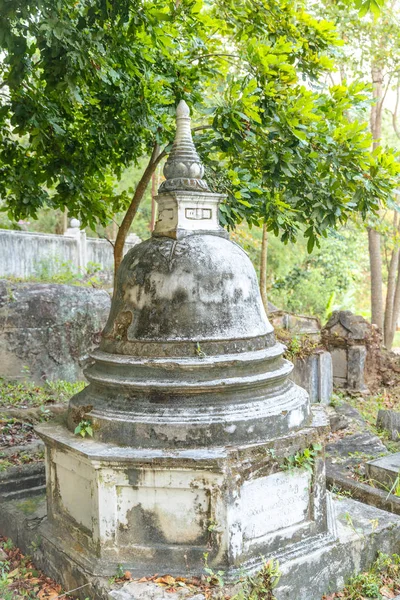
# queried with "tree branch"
point(394, 113)
point(222, 54)
point(155, 158)
point(201, 127)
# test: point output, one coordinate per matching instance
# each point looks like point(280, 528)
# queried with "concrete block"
point(384, 470)
point(339, 364)
point(151, 509)
point(389, 420)
point(151, 591)
point(325, 377)
point(305, 374)
point(356, 533)
point(314, 374)
point(356, 356)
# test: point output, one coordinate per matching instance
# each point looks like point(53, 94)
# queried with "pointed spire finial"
point(183, 169)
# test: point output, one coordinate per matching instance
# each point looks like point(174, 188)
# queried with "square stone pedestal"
point(161, 511)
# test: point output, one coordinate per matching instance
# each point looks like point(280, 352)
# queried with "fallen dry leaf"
point(166, 579)
point(386, 592)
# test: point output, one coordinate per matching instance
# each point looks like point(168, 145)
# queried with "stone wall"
point(352, 342)
point(22, 252)
point(48, 330)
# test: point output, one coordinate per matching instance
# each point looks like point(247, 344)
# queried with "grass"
point(368, 407)
point(26, 394)
point(380, 582)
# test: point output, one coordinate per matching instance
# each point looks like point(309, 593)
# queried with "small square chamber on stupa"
point(193, 414)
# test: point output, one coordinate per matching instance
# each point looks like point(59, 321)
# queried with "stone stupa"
point(192, 410)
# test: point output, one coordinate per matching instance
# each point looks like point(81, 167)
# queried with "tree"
point(371, 54)
point(90, 87)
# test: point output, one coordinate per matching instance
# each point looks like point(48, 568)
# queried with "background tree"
point(371, 54)
point(90, 87)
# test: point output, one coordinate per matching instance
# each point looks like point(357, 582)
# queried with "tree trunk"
point(65, 220)
point(154, 186)
point(263, 267)
point(374, 241)
point(395, 313)
point(133, 207)
point(375, 261)
point(391, 287)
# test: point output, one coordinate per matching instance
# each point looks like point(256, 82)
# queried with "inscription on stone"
point(275, 502)
point(198, 213)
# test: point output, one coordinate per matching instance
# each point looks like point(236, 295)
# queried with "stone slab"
point(325, 377)
point(338, 478)
point(384, 470)
point(356, 357)
point(314, 373)
point(357, 532)
point(151, 591)
point(358, 445)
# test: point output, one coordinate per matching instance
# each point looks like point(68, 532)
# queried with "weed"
point(199, 351)
point(304, 459)
point(213, 578)
point(8, 544)
point(337, 399)
point(341, 493)
point(261, 585)
point(119, 574)
point(84, 428)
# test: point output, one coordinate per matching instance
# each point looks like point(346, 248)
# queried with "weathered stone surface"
point(337, 421)
point(346, 326)
point(345, 409)
point(151, 591)
point(389, 420)
point(357, 532)
point(339, 365)
point(338, 478)
point(314, 374)
point(296, 324)
point(351, 447)
point(49, 328)
point(360, 531)
point(23, 481)
point(159, 503)
point(305, 374)
point(325, 377)
point(356, 357)
point(385, 470)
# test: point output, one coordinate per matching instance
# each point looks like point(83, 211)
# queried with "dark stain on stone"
point(157, 397)
point(143, 525)
point(133, 477)
point(180, 296)
point(121, 325)
point(78, 413)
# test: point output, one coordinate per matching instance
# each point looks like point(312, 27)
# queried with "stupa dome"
point(199, 290)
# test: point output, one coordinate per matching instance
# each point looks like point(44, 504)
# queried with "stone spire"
point(183, 169)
